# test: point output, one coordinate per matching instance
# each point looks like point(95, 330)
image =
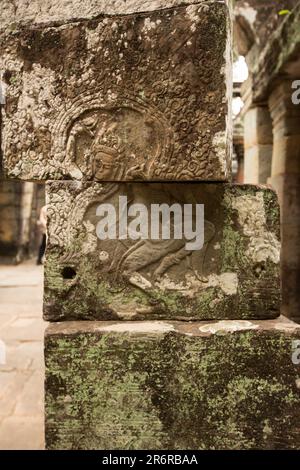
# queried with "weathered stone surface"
point(234, 275)
point(144, 96)
point(43, 11)
point(162, 385)
point(18, 201)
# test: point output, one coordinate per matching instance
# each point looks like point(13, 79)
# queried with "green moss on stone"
point(171, 391)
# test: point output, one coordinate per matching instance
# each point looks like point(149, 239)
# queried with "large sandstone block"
point(143, 96)
point(139, 273)
point(162, 385)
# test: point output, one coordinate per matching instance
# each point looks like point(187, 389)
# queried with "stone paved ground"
point(21, 378)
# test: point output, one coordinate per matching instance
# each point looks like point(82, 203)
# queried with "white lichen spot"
point(219, 143)
point(90, 243)
point(194, 13)
point(138, 327)
point(137, 280)
point(94, 36)
point(111, 96)
point(149, 25)
point(194, 283)
point(263, 245)
point(9, 62)
point(104, 256)
point(229, 326)
point(165, 283)
point(75, 172)
point(228, 282)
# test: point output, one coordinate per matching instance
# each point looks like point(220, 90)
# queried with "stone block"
point(173, 385)
point(144, 96)
point(151, 270)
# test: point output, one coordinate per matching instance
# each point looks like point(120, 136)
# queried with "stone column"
point(10, 228)
point(258, 145)
point(16, 230)
point(152, 343)
point(285, 179)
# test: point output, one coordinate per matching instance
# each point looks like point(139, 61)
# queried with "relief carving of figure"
point(114, 144)
point(146, 261)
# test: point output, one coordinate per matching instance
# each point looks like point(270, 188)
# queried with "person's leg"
point(42, 250)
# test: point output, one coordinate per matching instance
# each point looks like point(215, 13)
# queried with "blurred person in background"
point(42, 225)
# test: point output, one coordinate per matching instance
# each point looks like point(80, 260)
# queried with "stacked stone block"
point(151, 345)
point(172, 385)
point(234, 275)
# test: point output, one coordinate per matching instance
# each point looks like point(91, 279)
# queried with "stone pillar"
point(258, 145)
point(285, 179)
point(17, 227)
point(152, 343)
point(10, 227)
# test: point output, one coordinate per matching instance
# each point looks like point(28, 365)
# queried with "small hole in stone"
point(259, 269)
point(68, 273)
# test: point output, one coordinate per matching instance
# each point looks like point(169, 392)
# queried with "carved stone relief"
point(138, 278)
point(134, 97)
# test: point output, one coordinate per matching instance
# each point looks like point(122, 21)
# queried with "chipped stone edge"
point(228, 77)
point(64, 17)
point(160, 327)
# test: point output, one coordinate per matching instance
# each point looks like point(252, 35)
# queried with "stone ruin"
point(150, 345)
point(271, 116)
